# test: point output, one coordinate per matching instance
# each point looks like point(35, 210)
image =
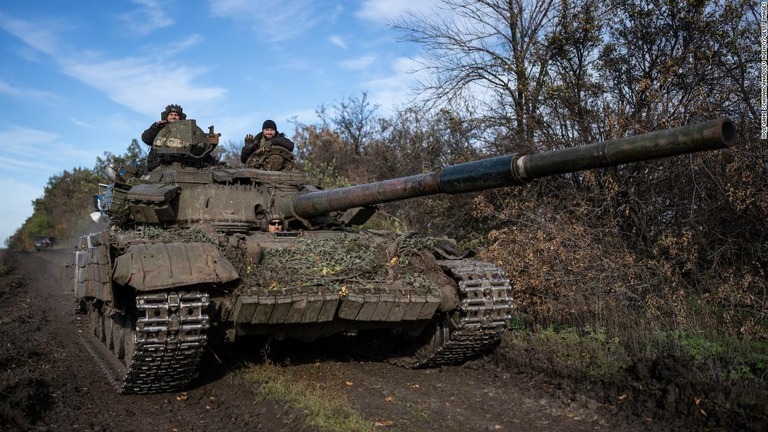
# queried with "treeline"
point(671, 244)
point(63, 210)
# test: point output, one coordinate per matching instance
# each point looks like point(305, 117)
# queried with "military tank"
point(188, 259)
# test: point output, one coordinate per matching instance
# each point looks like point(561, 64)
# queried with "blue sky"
point(79, 78)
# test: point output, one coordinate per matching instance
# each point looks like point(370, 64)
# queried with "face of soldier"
point(268, 133)
point(172, 117)
point(275, 226)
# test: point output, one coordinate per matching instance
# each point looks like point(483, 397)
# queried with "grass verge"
point(324, 407)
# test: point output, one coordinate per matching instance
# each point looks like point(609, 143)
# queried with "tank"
point(188, 258)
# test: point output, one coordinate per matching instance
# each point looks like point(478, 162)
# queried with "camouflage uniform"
point(151, 132)
point(275, 154)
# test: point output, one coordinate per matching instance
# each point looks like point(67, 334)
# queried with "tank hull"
point(153, 304)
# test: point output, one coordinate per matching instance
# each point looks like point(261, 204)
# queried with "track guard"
point(157, 266)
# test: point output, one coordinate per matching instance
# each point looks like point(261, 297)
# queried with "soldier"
point(271, 221)
point(275, 225)
point(269, 150)
point(171, 114)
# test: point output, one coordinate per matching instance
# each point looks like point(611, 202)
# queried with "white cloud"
point(337, 12)
point(148, 18)
point(140, 83)
point(358, 63)
point(82, 124)
point(384, 11)
point(38, 150)
point(19, 164)
point(181, 45)
point(162, 49)
point(26, 140)
point(338, 41)
point(25, 93)
point(273, 20)
point(393, 90)
point(40, 35)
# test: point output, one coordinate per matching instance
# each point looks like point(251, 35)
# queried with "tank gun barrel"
point(513, 169)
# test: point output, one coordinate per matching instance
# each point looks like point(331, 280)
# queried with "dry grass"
point(325, 407)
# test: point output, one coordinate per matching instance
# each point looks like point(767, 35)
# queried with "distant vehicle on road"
point(44, 243)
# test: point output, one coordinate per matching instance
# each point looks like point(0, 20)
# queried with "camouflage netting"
point(236, 255)
point(349, 262)
point(342, 264)
point(151, 232)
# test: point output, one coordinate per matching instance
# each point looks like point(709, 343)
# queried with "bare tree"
point(353, 118)
point(573, 92)
point(488, 47)
point(336, 145)
point(667, 63)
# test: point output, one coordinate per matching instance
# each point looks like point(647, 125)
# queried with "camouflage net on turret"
point(360, 260)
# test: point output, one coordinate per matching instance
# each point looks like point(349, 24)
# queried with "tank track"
point(156, 352)
point(477, 325)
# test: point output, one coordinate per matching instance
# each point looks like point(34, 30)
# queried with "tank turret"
point(200, 253)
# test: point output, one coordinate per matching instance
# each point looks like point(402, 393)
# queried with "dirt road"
point(48, 381)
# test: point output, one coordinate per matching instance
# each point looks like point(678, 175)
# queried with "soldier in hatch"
point(268, 150)
point(275, 225)
point(271, 221)
point(171, 114)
